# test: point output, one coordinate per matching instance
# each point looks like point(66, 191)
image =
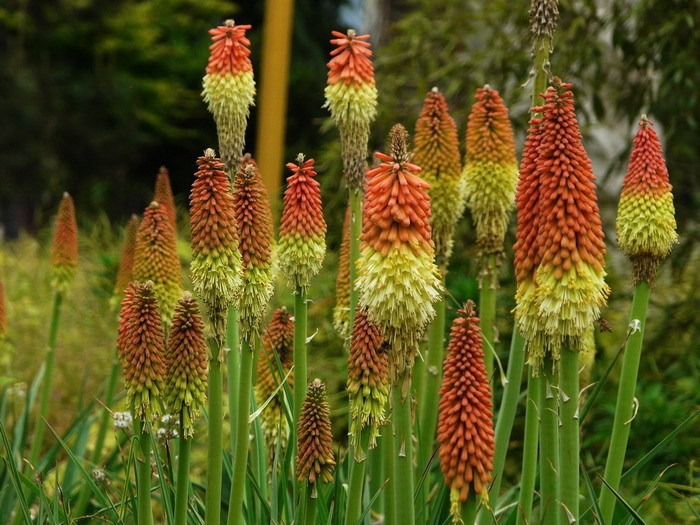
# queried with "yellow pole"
point(272, 102)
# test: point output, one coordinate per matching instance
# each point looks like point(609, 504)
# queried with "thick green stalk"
point(376, 472)
point(311, 506)
point(403, 455)
point(233, 368)
point(40, 425)
point(468, 509)
point(183, 478)
point(569, 432)
point(504, 421)
point(487, 310)
point(530, 442)
point(624, 410)
point(143, 475)
point(428, 402)
point(549, 446)
point(355, 232)
point(215, 451)
point(235, 512)
point(357, 479)
point(300, 361)
point(387, 444)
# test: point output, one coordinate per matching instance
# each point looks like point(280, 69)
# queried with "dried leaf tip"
point(398, 144)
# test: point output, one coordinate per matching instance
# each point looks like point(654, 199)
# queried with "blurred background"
point(96, 95)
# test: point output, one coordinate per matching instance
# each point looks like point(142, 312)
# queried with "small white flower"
point(122, 420)
point(99, 475)
point(635, 326)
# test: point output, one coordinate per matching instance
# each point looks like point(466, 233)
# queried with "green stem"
point(376, 473)
point(387, 444)
point(428, 403)
point(143, 475)
point(539, 84)
point(215, 451)
point(183, 478)
point(506, 416)
point(468, 509)
point(403, 453)
point(487, 310)
point(355, 232)
point(233, 368)
point(40, 426)
point(624, 409)
point(311, 506)
point(235, 512)
point(569, 432)
point(530, 442)
point(300, 362)
point(549, 446)
point(357, 479)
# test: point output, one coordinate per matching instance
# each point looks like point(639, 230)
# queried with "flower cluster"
point(465, 427)
point(156, 258)
point(351, 97)
point(342, 282)
point(163, 195)
point(229, 88)
point(490, 171)
point(646, 223)
point(64, 248)
point(302, 243)
point(368, 381)
point(186, 388)
point(126, 265)
point(437, 152)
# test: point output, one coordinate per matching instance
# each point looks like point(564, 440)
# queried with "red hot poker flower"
point(64, 248)
point(126, 264)
point(163, 194)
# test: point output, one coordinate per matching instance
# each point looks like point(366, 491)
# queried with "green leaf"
point(14, 474)
point(637, 518)
point(592, 494)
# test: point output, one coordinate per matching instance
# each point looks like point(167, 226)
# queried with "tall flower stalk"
point(215, 272)
point(342, 282)
point(163, 194)
point(491, 175)
point(398, 283)
point(229, 89)
point(254, 225)
point(186, 387)
point(64, 262)
point(465, 427)
point(141, 346)
point(646, 233)
point(302, 247)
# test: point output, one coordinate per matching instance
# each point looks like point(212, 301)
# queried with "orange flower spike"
point(302, 244)
point(277, 344)
point(342, 283)
point(646, 223)
point(126, 265)
point(64, 248)
point(437, 152)
point(491, 171)
point(254, 224)
point(465, 427)
point(141, 349)
point(229, 88)
point(368, 381)
point(215, 270)
point(163, 194)
point(351, 96)
point(571, 288)
point(156, 258)
point(315, 460)
point(186, 385)
point(398, 280)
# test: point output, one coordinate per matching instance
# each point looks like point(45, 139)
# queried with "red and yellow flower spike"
point(229, 88)
point(491, 170)
point(398, 280)
point(277, 344)
point(163, 195)
point(342, 282)
point(570, 276)
point(254, 225)
point(186, 385)
point(646, 222)
point(126, 265)
point(64, 248)
point(351, 96)
point(302, 244)
point(465, 426)
point(141, 348)
point(437, 152)
point(315, 460)
point(157, 260)
point(215, 270)
point(368, 381)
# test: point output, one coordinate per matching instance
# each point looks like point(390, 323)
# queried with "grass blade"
point(591, 492)
point(637, 518)
point(14, 473)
